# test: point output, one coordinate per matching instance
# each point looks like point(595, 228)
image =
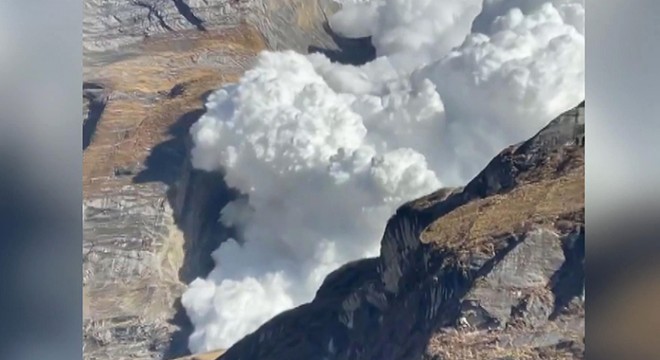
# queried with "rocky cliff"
point(448, 282)
point(149, 219)
point(493, 270)
point(117, 30)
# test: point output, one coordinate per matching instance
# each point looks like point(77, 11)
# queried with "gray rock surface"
point(115, 29)
point(518, 280)
point(126, 283)
point(150, 222)
point(110, 26)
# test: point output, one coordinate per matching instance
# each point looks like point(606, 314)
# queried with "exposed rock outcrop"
point(493, 270)
point(149, 220)
point(115, 30)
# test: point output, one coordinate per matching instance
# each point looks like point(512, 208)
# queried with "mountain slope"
point(148, 217)
point(492, 270)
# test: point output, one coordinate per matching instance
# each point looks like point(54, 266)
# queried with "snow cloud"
point(324, 153)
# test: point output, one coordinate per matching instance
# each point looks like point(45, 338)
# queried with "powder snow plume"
point(324, 153)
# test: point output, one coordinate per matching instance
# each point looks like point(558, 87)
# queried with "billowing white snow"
point(325, 153)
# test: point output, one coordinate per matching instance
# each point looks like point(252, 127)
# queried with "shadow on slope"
point(350, 51)
point(93, 94)
point(196, 198)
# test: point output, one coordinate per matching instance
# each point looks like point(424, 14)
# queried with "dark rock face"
point(93, 104)
point(490, 271)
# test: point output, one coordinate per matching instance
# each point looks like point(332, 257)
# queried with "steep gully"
point(196, 197)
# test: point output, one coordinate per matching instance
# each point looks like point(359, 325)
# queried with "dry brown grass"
point(169, 60)
point(132, 125)
point(206, 356)
point(242, 37)
point(461, 345)
point(433, 198)
point(567, 160)
point(472, 225)
point(478, 345)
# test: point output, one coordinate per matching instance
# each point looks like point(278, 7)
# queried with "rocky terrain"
point(487, 271)
point(150, 221)
point(493, 270)
point(119, 29)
